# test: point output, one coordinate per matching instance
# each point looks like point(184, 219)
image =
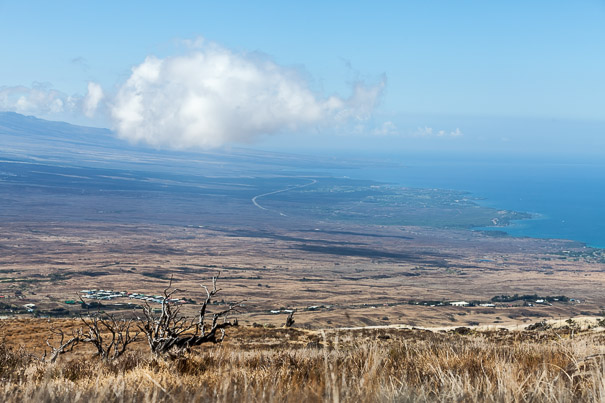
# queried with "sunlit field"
point(260, 364)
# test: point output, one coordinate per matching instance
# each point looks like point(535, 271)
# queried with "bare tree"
point(167, 333)
point(117, 331)
point(173, 334)
point(108, 334)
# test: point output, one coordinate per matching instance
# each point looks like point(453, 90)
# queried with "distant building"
point(459, 303)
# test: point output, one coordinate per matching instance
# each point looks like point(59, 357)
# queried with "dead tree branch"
point(290, 319)
point(173, 334)
point(64, 346)
point(110, 336)
point(118, 334)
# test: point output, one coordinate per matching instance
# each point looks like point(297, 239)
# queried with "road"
point(255, 198)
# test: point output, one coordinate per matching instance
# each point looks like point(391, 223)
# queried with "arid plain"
point(334, 276)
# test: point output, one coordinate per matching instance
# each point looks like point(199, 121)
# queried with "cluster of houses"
point(107, 295)
point(309, 308)
point(276, 311)
point(464, 303)
point(490, 305)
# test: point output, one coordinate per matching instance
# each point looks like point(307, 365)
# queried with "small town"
point(107, 295)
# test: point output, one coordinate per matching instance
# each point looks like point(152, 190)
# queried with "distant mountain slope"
point(30, 138)
point(27, 137)
point(61, 171)
point(15, 124)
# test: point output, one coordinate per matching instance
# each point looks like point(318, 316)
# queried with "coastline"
point(562, 203)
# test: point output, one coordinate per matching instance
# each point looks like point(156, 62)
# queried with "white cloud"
point(92, 99)
point(424, 131)
point(40, 99)
point(212, 96)
point(44, 101)
point(456, 133)
point(430, 132)
point(386, 129)
point(208, 97)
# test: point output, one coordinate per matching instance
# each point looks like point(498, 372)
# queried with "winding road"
point(255, 198)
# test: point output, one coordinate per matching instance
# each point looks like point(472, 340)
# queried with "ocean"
point(565, 195)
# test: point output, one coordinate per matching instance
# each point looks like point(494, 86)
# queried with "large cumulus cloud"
point(213, 96)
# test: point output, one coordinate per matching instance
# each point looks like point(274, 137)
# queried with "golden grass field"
point(294, 365)
point(364, 341)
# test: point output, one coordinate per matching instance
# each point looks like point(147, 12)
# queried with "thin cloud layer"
point(387, 128)
point(39, 99)
point(42, 100)
point(92, 99)
point(430, 132)
point(213, 96)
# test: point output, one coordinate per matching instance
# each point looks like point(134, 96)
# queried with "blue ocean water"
point(566, 195)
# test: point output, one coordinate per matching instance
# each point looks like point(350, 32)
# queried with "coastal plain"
point(341, 252)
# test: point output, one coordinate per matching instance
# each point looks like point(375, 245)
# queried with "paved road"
point(255, 198)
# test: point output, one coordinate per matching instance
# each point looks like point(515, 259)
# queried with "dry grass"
point(259, 365)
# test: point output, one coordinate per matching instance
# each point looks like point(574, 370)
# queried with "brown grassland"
point(356, 276)
point(293, 365)
point(358, 334)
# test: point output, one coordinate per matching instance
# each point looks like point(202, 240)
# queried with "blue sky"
point(442, 66)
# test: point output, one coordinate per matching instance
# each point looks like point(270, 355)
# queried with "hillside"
point(288, 365)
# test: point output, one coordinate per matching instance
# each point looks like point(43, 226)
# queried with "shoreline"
point(495, 204)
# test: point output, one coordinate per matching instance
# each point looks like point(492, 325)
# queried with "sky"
point(446, 75)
